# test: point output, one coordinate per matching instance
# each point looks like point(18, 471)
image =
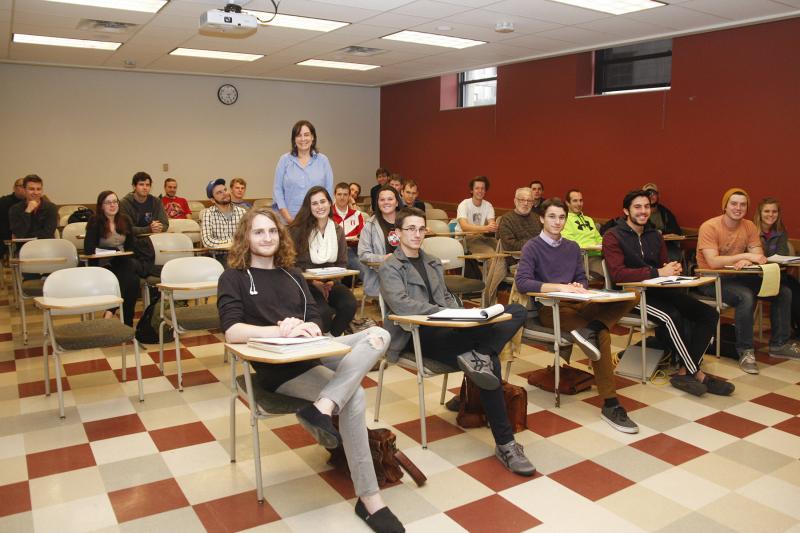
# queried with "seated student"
point(410, 195)
point(380, 237)
point(144, 209)
point(261, 294)
point(396, 182)
point(551, 263)
point(382, 177)
point(174, 205)
point(583, 230)
point(537, 188)
point(238, 190)
point(730, 239)
point(6, 202)
point(351, 221)
point(111, 229)
point(634, 251)
point(477, 214)
point(36, 216)
point(412, 283)
point(775, 240)
point(664, 221)
point(320, 243)
point(355, 195)
point(218, 222)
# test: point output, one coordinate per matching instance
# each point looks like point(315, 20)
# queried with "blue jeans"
point(740, 293)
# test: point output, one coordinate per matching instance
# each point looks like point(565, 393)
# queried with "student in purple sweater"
point(550, 263)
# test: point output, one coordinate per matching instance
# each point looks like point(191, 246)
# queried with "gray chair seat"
point(92, 334)
point(633, 320)
point(152, 280)
point(462, 285)
point(272, 402)
point(32, 288)
point(203, 316)
point(431, 367)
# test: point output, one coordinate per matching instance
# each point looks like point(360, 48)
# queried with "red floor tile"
point(493, 514)
point(113, 427)
point(368, 383)
point(791, 425)
point(15, 498)
point(145, 500)
point(5, 336)
point(340, 482)
point(27, 352)
point(762, 356)
point(169, 354)
point(629, 404)
point(731, 424)
point(437, 428)
point(8, 366)
point(148, 371)
point(235, 513)
point(294, 436)
point(494, 475)
point(86, 367)
point(192, 379)
point(36, 388)
point(59, 460)
point(180, 436)
point(199, 340)
point(779, 402)
point(668, 449)
point(547, 424)
point(591, 480)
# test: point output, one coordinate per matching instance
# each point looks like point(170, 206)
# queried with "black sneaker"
point(319, 425)
point(688, 383)
point(383, 520)
point(453, 404)
point(718, 386)
point(478, 368)
point(587, 340)
point(617, 418)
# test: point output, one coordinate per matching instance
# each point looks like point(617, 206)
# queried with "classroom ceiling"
point(542, 28)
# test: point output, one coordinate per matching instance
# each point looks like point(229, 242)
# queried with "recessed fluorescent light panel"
point(297, 23)
point(336, 64)
point(214, 54)
point(432, 39)
point(61, 41)
point(146, 6)
point(615, 7)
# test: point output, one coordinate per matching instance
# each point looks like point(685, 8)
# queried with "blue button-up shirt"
point(292, 181)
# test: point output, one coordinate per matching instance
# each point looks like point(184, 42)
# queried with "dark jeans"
point(740, 293)
point(794, 287)
point(126, 269)
point(445, 344)
point(338, 310)
point(689, 323)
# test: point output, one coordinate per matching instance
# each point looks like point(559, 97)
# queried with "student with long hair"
point(111, 229)
point(380, 237)
point(262, 294)
point(320, 243)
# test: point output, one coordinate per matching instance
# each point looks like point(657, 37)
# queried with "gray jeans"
point(339, 379)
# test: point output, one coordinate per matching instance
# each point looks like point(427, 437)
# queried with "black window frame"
point(601, 61)
point(463, 83)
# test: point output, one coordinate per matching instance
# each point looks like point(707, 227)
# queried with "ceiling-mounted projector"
point(228, 22)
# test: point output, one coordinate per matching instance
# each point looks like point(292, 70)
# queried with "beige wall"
point(86, 130)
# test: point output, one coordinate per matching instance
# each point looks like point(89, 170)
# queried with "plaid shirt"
point(216, 228)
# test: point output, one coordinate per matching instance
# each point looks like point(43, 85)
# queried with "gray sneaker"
point(617, 418)
point(478, 368)
point(747, 362)
point(789, 350)
point(513, 457)
point(587, 340)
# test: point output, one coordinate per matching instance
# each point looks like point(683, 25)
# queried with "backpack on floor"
point(147, 327)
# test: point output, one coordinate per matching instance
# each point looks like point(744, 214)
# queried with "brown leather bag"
point(571, 380)
point(471, 414)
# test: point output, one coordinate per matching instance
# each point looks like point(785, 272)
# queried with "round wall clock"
point(227, 94)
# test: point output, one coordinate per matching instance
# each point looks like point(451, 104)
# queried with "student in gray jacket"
point(380, 237)
point(412, 283)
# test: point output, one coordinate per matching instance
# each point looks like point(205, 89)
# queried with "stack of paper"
point(783, 259)
point(668, 280)
point(288, 345)
point(326, 270)
point(476, 314)
point(593, 295)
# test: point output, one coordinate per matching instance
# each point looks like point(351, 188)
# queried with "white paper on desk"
point(668, 280)
point(289, 345)
point(104, 251)
point(326, 270)
point(468, 314)
point(748, 267)
point(287, 341)
point(592, 295)
point(783, 259)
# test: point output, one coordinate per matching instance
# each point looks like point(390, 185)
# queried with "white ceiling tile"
point(676, 17)
point(470, 3)
point(574, 34)
point(623, 27)
point(485, 18)
point(465, 31)
point(549, 11)
point(793, 3)
point(383, 5)
point(5, 15)
point(142, 55)
point(396, 21)
point(430, 9)
point(324, 10)
point(737, 9)
point(69, 34)
point(191, 64)
point(538, 43)
point(70, 10)
point(57, 54)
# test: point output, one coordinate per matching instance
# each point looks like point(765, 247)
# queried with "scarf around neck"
point(324, 247)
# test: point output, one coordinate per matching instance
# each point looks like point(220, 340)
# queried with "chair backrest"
point(606, 276)
point(63, 220)
point(436, 214)
point(187, 226)
point(263, 202)
point(428, 206)
point(445, 248)
point(437, 226)
point(62, 251)
point(192, 270)
point(791, 248)
point(164, 242)
point(80, 281)
point(67, 210)
point(71, 232)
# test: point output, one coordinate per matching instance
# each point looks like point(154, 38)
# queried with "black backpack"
point(82, 214)
point(147, 327)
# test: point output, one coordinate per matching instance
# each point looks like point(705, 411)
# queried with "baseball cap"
point(211, 184)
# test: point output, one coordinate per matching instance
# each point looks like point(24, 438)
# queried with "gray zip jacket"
point(371, 248)
point(405, 293)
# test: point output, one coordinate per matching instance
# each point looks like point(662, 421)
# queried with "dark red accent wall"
point(731, 118)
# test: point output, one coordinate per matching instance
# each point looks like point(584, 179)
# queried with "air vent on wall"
point(105, 26)
point(360, 51)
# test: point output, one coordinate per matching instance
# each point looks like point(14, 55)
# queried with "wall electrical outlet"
point(165, 167)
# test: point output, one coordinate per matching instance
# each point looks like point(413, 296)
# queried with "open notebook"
point(476, 314)
point(783, 259)
point(289, 345)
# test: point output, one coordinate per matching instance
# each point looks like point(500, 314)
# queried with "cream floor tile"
point(12, 446)
point(191, 459)
point(701, 436)
point(632, 463)
point(464, 448)
point(549, 457)
point(9, 408)
point(781, 372)
point(122, 448)
point(167, 417)
point(643, 507)
point(85, 514)
point(581, 413)
point(183, 520)
point(428, 461)
point(407, 503)
point(791, 391)
point(758, 413)
point(396, 412)
point(18, 523)
point(696, 522)
point(439, 489)
point(272, 527)
point(657, 419)
point(789, 473)
point(601, 426)
point(95, 379)
point(213, 483)
point(215, 408)
point(66, 487)
point(118, 406)
point(48, 404)
point(774, 493)
point(777, 440)
point(201, 393)
point(159, 399)
point(685, 408)
point(648, 393)
point(743, 514)
point(105, 393)
point(585, 442)
point(13, 470)
point(757, 381)
point(133, 472)
point(338, 517)
point(56, 437)
point(757, 457)
point(284, 498)
point(276, 469)
point(441, 523)
point(685, 488)
point(721, 471)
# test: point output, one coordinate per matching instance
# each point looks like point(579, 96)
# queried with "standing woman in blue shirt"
point(299, 170)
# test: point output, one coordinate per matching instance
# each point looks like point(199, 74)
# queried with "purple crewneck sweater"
point(542, 263)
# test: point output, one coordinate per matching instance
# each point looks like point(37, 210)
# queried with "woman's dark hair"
point(304, 222)
point(122, 224)
point(379, 215)
point(296, 131)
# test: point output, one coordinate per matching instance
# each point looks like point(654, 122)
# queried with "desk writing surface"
point(104, 256)
point(250, 353)
point(730, 271)
point(422, 320)
point(18, 239)
point(483, 256)
point(592, 247)
point(457, 233)
point(36, 260)
point(327, 277)
point(44, 302)
point(604, 299)
point(188, 286)
point(703, 280)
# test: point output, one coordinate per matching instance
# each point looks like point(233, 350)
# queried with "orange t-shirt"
point(714, 234)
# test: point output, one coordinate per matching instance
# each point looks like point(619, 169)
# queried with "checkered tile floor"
point(699, 464)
